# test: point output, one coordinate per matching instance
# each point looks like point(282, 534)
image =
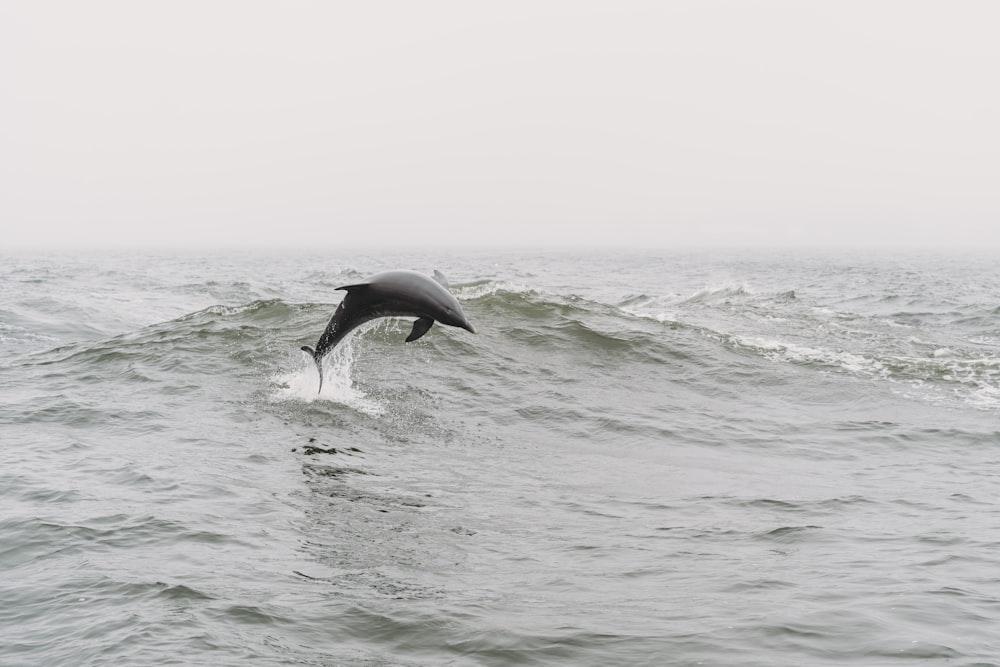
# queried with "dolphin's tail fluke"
point(319, 364)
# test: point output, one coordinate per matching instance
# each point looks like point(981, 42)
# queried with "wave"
point(485, 288)
point(940, 377)
point(217, 339)
point(716, 293)
point(771, 327)
point(717, 333)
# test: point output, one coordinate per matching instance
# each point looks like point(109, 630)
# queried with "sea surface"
point(767, 458)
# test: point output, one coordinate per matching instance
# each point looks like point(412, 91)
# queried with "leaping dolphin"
point(391, 294)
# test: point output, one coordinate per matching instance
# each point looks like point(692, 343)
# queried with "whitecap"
point(490, 288)
point(713, 292)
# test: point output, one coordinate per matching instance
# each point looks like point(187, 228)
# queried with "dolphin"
point(391, 294)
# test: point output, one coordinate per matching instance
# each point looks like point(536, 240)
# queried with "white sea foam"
point(975, 382)
point(985, 397)
point(664, 308)
point(14, 334)
point(791, 352)
point(229, 311)
point(985, 340)
point(661, 316)
point(491, 287)
point(714, 292)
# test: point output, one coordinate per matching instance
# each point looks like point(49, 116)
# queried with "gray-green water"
point(648, 459)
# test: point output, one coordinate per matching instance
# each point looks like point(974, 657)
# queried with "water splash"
point(301, 383)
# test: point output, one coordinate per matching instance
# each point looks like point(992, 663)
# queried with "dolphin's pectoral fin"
point(420, 327)
point(441, 280)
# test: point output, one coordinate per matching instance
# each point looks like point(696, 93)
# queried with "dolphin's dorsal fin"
point(442, 281)
point(420, 327)
point(348, 288)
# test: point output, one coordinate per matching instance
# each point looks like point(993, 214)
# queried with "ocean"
point(730, 457)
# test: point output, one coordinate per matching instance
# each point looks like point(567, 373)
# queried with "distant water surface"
point(726, 458)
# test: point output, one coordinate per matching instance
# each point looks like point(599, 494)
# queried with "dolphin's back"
point(389, 294)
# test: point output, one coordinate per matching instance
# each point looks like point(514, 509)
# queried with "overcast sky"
point(528, 122)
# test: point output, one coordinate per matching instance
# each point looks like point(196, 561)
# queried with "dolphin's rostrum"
point(391, 294)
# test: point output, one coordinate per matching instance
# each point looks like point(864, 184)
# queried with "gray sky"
point(532, 122)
